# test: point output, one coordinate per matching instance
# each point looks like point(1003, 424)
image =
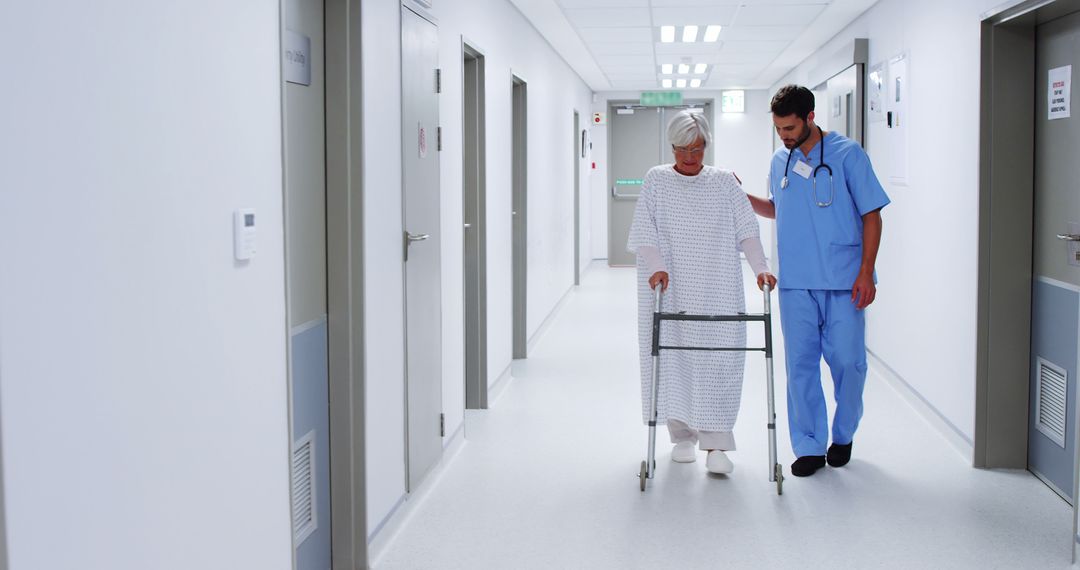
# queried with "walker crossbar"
point(648, 467)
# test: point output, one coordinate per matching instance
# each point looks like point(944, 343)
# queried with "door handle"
point(467, 226)
point(616, 195)
point(1069, 237)
point(409, 238)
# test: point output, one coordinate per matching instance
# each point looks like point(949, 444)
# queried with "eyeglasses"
point(685, 150)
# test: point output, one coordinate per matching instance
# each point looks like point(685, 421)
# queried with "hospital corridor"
point(524, 284)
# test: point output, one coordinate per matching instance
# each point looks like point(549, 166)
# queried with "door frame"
point(1006, 206)
point(519, 205)
point(345, 283)
point(476, 396)
point(577, 197)
point(1006, 255)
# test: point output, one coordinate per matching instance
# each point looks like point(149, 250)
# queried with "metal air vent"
point(1051, 401)
point(305, 520)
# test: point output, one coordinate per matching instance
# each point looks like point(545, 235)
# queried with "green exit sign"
point(661, 98)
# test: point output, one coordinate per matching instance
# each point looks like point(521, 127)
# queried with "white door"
point(421, 241)
point(1055, 298)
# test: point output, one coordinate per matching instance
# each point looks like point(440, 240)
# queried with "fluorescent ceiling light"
point(684, 68)
point(695, 83)
point(667, 84)
point(667, 68)
point(667, 34)
point(712, 33)
point(700, 68)
point(689, 34)
point(680, 83)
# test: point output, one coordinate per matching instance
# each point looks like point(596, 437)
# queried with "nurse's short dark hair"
point(793, 99)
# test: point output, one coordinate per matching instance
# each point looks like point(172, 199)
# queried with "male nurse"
point(827, 204)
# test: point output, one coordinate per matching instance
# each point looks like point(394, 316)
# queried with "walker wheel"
point(779, 479)
point(643, 475)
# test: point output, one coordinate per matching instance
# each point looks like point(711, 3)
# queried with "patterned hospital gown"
point(697, 223)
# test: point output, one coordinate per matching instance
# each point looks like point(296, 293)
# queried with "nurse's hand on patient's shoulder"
point(764, 278)
point(659, 277)
point(864, 290)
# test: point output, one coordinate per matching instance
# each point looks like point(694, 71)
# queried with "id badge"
point(803, 169)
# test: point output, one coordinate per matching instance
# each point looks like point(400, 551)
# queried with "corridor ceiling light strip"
point(689, 34)
point(684, 69)
point(695, 83)
point(700, 68)
point(680, 83)
point(667, 34)
point(667, 68)
point(712, 33)
point(667, 84)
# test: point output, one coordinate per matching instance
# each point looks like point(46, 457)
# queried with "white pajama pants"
point(680, 432)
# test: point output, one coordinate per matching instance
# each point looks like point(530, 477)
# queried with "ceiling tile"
point(599, 49)
point(606, 60)
point(701, 17)
point(634, 84)
point(737, 32)
point(616, 34)
point(694, 3)
point(629, 69)
point(781, 3)
point(608, 17)
point(763, 47)
point(676, 50)
point(764, 15)
point(569, 4)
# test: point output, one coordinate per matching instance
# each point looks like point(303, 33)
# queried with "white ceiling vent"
point(305, 519)
point(1050, 403)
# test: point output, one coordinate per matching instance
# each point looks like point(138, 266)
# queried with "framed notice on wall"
point(898, 95)
point(875, 94)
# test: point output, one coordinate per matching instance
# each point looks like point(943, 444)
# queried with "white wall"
point(510, 46)
point(144, 390)
point(383, 278)
point(741, 141)
point(927, 265)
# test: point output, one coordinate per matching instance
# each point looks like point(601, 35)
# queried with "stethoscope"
point(813, 175)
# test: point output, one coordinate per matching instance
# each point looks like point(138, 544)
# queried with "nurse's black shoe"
point(807, 465)
point(839, 455)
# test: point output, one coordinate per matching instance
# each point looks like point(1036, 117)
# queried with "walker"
point(648, 467)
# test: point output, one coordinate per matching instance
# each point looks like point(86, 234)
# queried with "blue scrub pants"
point(816, 324)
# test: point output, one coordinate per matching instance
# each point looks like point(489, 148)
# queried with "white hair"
point(686, 127)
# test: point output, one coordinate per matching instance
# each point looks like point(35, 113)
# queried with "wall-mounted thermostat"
point(244, 234)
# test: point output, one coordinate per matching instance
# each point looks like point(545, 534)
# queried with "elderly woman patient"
point(690, 223)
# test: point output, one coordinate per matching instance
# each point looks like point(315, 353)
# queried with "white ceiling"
point(615, 44)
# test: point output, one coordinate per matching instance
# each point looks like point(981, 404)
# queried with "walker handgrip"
point(659, 291)
point(766, 289)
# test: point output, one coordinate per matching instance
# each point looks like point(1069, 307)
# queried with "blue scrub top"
point(821, 248)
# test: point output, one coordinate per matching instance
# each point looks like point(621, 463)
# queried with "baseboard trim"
point(497, 388)
point(960, 442)
point(546, 325)
point(387, 531)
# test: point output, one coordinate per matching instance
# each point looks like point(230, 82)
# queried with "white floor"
point(547, 478)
